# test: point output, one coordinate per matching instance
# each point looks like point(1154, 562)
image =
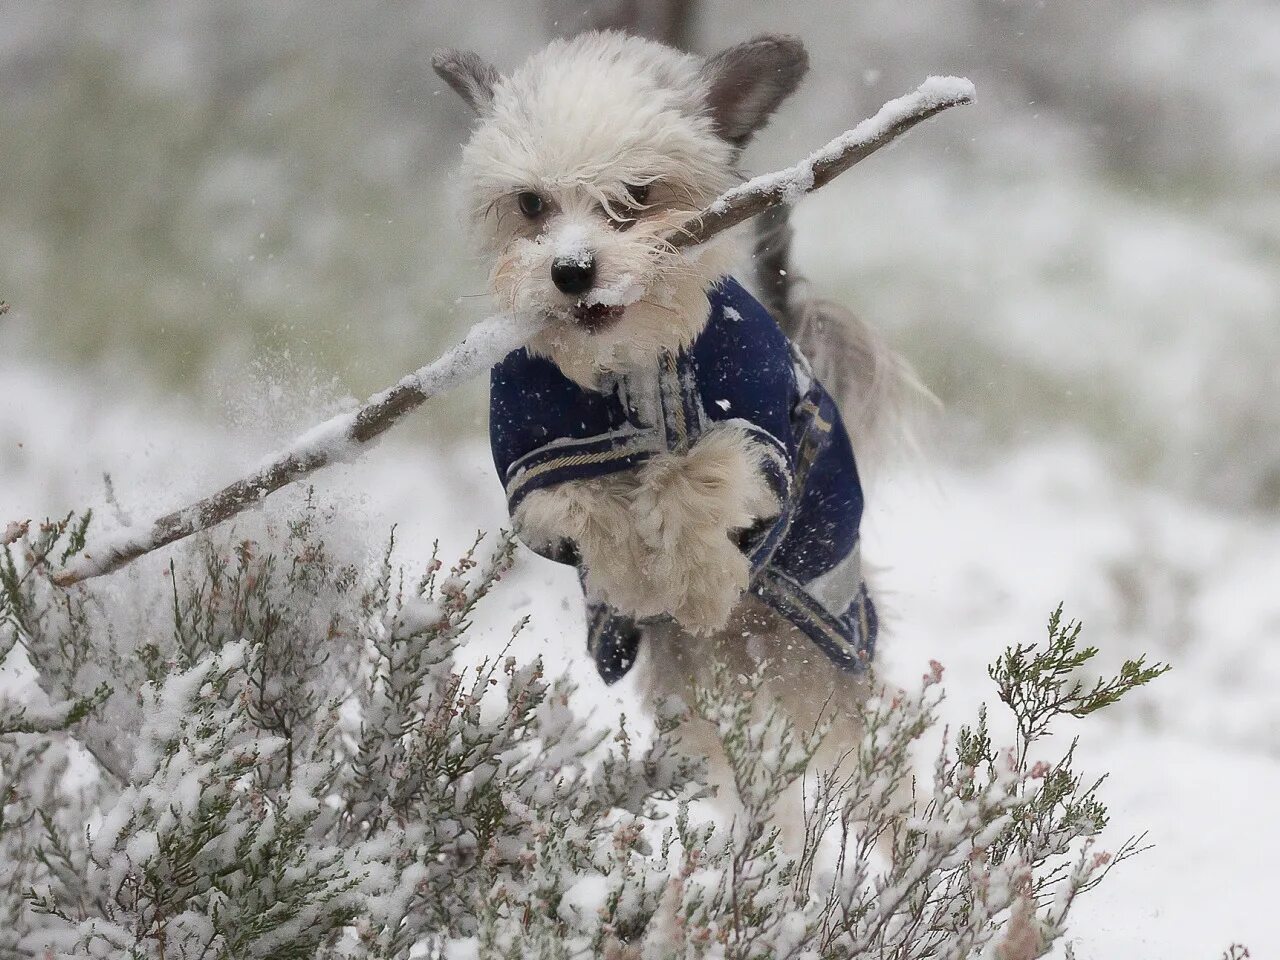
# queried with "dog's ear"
point(471, 77)
point(747, 82)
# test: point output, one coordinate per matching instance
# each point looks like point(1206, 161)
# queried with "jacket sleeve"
point(748, 376)
point(544, 429)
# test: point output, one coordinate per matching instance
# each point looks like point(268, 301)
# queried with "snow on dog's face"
point(585, 156)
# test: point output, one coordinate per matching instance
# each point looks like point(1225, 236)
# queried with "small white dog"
point(666, 435)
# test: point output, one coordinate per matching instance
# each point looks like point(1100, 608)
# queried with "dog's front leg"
point(687, 508)
point(597, 517)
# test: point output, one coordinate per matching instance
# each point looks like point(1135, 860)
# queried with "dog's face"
point(586, 156)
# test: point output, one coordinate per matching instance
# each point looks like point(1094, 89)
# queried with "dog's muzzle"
point(576, 276)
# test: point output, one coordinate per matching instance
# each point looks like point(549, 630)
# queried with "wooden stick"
point(333, 441)
point(821, 167)
point(343, 437)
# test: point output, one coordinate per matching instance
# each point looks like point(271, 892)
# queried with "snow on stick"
point(822, 166)
point(333, 441)
point(343, 437)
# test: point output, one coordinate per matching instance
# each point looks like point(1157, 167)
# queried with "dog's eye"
point(639, 193)
point(531, 205)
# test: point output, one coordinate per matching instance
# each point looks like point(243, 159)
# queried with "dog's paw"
point(719, 484)
point(595, 516)
point(686, 508)
point(658, 542)
point(706, 583)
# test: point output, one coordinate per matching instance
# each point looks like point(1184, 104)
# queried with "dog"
point(683, 444)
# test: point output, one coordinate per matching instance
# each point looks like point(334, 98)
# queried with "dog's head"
point(585, 156)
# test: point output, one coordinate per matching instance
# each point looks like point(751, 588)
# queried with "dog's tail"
point(880, 396)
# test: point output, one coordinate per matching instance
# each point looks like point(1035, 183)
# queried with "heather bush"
point(287, 752)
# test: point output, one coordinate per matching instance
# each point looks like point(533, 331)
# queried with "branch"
point(337, 439)
point(342, 437)
point(821, 167)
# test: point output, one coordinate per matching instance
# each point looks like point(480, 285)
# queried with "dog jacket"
point(742, 369)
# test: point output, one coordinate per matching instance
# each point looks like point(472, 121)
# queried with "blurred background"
point(222, 220)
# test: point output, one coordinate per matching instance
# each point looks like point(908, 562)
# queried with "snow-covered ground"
point(978, 559)
point(975, 558)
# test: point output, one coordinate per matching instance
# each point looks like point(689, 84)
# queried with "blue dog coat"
point(545, 429)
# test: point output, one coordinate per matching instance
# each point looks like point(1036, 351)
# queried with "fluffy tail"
point(879, 394)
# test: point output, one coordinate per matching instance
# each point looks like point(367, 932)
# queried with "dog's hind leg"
point(794, 676)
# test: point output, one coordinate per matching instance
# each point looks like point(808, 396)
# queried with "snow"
point(587, 895)
point(484, 345)
point(1209, 879)
point(18, 713)
point(467, 948)
point(622, 292)
point(418, 614)
point(329, 440)
point(572, 243)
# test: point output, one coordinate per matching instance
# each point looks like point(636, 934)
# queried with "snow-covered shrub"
point(289, 759)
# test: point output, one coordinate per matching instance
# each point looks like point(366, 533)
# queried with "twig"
point(342, 437)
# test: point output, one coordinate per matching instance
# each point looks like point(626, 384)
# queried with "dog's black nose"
point(574, 275)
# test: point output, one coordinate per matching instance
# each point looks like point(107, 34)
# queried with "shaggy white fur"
point(796, 675)
point(578, 124)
